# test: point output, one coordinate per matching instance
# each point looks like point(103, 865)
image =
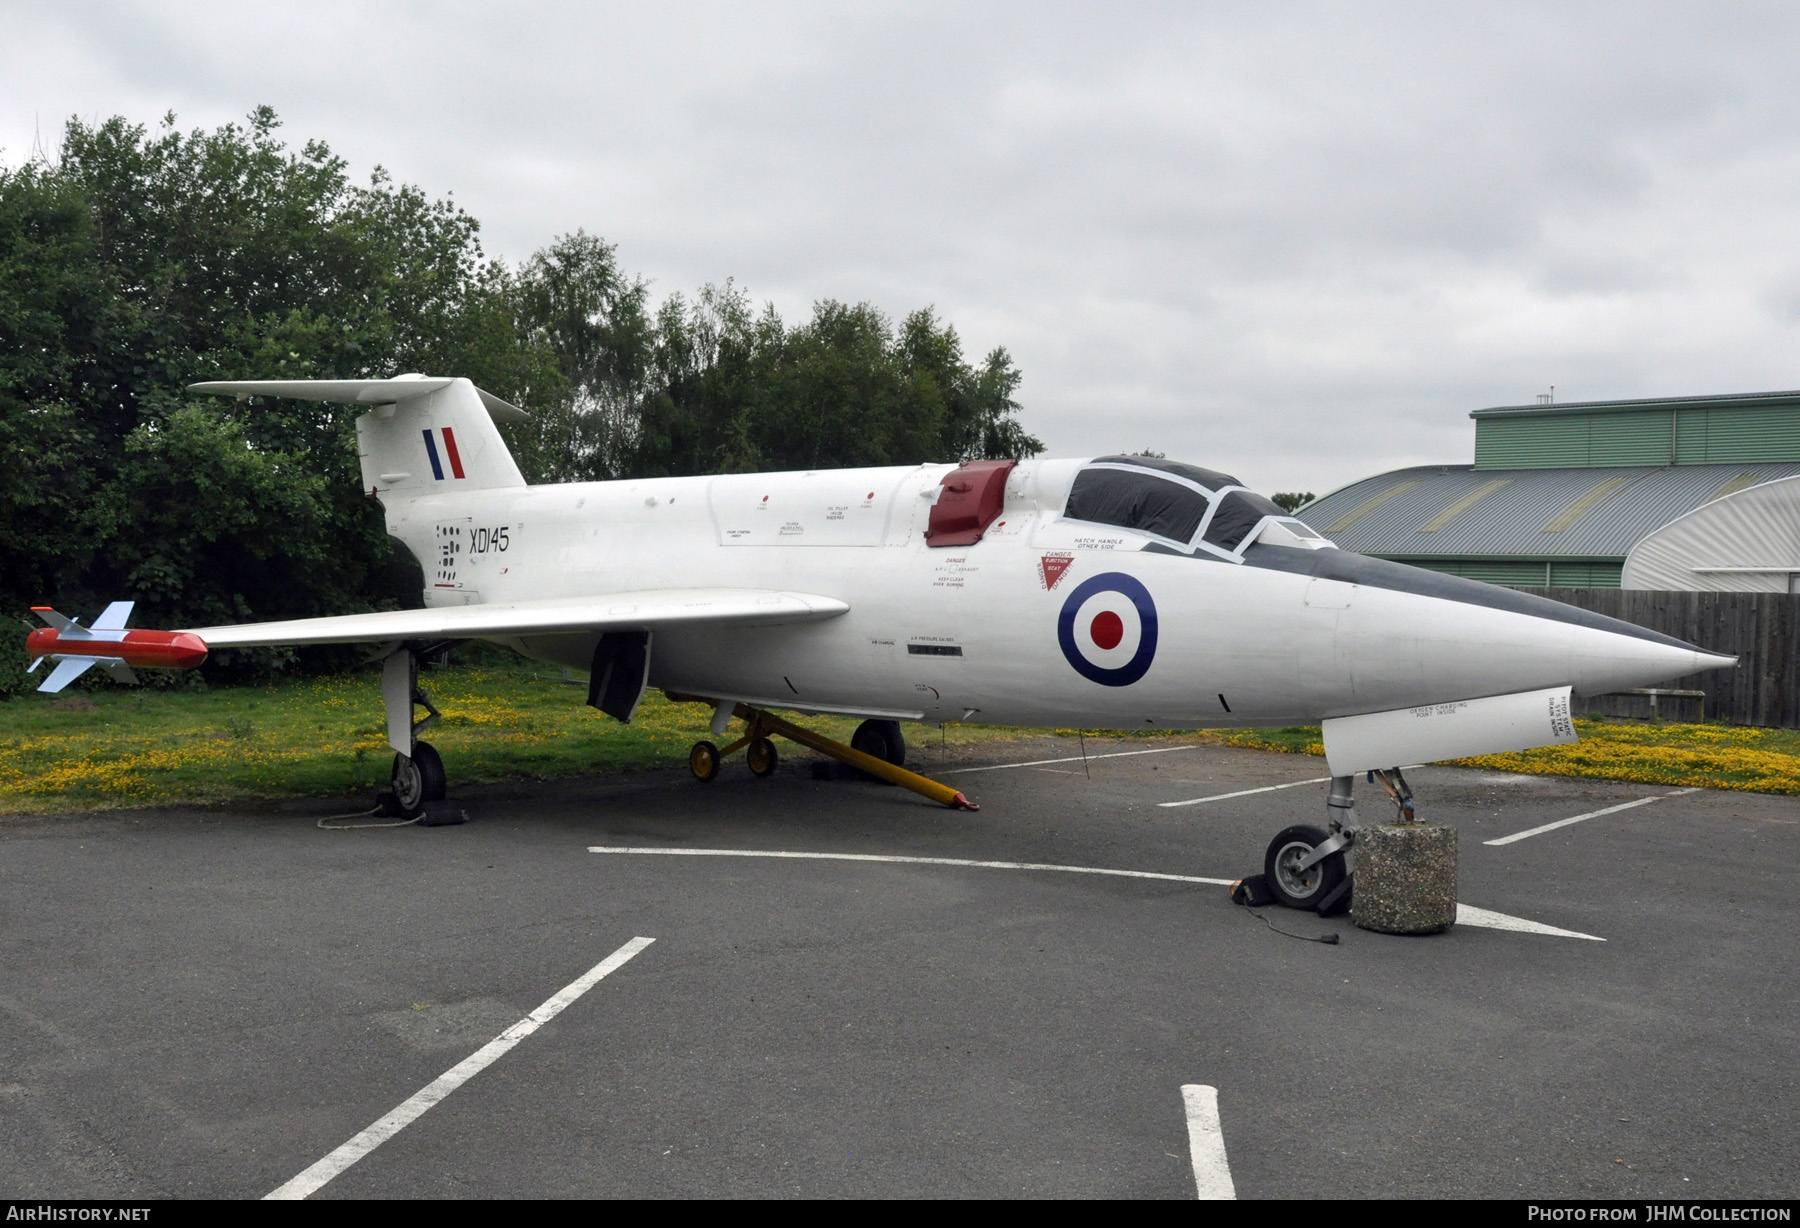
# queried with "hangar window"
point(1239, 512)
point(1134, 499)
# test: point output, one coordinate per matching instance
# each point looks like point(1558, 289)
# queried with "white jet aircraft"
point(1118, 592)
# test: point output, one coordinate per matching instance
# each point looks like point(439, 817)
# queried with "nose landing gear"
point(1297, 878)
point(1309, 868)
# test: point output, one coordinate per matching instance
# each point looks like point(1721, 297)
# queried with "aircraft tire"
point(1302, 889)
point(408, 788)
point(431, 767)
point(762, 757)
point(882, 739)
point(703, 761)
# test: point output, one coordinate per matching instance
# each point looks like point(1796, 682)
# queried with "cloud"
point(1295, 242)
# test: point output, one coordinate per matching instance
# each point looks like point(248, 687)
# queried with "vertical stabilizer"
point(422, 434)
point(439, 443)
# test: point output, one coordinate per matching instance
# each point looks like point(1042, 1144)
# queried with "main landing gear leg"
point(759, 751)
point(418, 773)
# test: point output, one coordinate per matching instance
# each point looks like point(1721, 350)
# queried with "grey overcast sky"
point(1294, 241)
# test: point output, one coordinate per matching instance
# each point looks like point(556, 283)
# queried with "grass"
point(325, 737)
point(1709, 756)
point(115, 747)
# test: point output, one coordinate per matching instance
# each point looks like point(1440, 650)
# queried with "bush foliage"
point(138, 261)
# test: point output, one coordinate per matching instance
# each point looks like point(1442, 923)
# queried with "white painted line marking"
point(1468, 915)
point(412, 1109)
point(1465, 915)
point(1582, 818)
point(1219, 797)
point(914, 861)
point(1112, 754)
point(1206, 1142)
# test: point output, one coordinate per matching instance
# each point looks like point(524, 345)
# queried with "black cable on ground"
point(327, 824)
point(1330, 940)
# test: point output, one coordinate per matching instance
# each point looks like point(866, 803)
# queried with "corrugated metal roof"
point(1516, 520)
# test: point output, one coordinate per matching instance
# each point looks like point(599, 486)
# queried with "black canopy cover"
point(1136, 500)
point(1139, 498)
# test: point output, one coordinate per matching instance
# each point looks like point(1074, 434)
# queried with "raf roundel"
point(1107, 629)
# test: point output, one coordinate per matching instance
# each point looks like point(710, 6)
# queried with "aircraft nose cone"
point(1607, 661)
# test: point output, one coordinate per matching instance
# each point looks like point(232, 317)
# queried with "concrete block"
point(1405, 878)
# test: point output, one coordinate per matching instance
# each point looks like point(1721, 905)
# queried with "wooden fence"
point(1761, 629)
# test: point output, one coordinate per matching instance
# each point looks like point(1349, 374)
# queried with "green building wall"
point(1738, 430)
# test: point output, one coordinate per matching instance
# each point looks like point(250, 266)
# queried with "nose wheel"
point(1286, 868)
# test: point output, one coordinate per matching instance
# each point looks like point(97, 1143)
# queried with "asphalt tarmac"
point(209, 1003)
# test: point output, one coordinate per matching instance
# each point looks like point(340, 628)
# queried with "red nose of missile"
point(149, 649)
point(182, 650)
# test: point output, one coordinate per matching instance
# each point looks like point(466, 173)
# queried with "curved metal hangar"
point(1562, 495)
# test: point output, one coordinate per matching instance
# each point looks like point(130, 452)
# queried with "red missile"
point(150, 649)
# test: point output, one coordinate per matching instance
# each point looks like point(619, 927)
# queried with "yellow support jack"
point(760, 754)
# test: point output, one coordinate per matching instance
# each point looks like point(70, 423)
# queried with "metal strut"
point(1400, 791)
point(759, 723)
point(400, 692)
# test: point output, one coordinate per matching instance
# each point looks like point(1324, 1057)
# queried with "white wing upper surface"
point(648, 608)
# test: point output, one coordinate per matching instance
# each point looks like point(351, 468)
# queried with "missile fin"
point(67, 671)
point(113, 617)
point(118, 671)
point(63, 624)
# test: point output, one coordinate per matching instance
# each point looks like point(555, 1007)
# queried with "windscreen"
point(1136, 500)
point(1239, 512)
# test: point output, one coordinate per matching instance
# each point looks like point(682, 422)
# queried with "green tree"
point(138, 261)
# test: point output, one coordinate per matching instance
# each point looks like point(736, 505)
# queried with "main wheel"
point(409, 788)
point(1293, 886)
point(881, 740)
point(703, 761)
point(761, 757)
point(431, 769)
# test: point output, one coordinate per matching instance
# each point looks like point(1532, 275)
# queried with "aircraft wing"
point(648, 608)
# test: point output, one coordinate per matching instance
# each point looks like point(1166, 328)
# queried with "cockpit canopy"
point(1185, 505)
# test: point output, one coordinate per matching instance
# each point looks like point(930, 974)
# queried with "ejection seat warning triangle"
point(1054, 566)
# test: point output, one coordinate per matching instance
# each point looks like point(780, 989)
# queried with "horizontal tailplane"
point(422, 435)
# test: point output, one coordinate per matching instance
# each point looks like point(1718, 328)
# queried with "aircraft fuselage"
point(1044, 620)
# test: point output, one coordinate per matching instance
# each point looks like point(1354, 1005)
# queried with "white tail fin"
point(441, 442)
point(424, 435)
